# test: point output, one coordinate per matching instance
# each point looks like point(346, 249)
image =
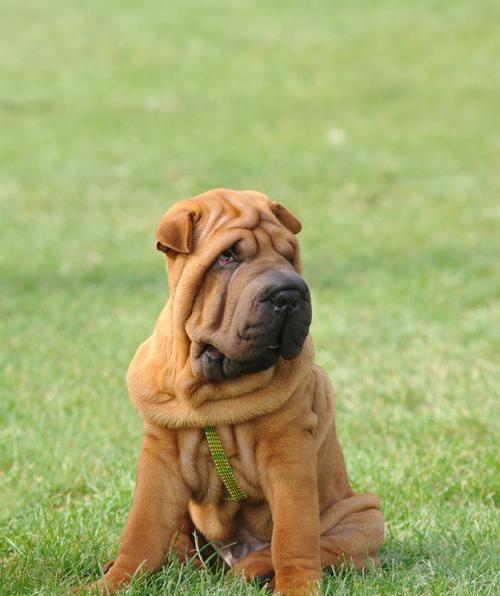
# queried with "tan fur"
point(277, 426)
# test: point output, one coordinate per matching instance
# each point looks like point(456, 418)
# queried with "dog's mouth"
point(211, 364)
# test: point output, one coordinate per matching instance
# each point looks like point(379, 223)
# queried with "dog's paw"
point(95, 587)
point(256, 566)
point(92, 589)
point(308, 589)
point(296, 582)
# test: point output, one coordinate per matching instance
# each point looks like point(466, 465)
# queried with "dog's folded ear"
point(286, 218)
point(175, 231)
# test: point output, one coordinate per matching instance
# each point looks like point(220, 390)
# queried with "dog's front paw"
point(297, 582)
point(98, 588)
point(93, 589)
point(116, 576)
point(256, 566)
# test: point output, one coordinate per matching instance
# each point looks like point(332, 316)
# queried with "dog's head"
point(234, 275)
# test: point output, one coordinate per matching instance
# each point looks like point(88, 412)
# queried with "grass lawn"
point(377, 124)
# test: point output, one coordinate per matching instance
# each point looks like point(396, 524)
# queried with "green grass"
point(377, 124)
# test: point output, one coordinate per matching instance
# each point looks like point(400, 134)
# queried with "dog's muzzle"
point(277, 327)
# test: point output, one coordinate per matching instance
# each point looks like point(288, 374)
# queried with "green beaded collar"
point(223, 467)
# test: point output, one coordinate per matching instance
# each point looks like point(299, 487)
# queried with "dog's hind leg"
point(352, 531)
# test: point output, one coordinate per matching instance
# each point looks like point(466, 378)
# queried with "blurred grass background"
point(377, 123)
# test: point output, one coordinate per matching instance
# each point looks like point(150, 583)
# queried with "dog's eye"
point(226, 258)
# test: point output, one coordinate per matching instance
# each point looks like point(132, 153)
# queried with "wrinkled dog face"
point(252, 308)
point(237, 280)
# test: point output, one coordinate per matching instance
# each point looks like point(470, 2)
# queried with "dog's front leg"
point(158, 508)
point(288, 467)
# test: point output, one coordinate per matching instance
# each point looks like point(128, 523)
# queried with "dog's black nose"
point(287, 293)
point(286, 300)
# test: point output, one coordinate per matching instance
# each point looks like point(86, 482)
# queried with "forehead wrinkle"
point(281, 239)
point(231, 210)
point(246, 214)
point(215, 214)
point(249, 241)
point(263, 237)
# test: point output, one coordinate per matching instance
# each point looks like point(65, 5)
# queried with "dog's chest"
point(198, 469)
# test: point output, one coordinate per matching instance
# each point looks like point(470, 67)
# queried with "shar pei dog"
point(240, 450)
